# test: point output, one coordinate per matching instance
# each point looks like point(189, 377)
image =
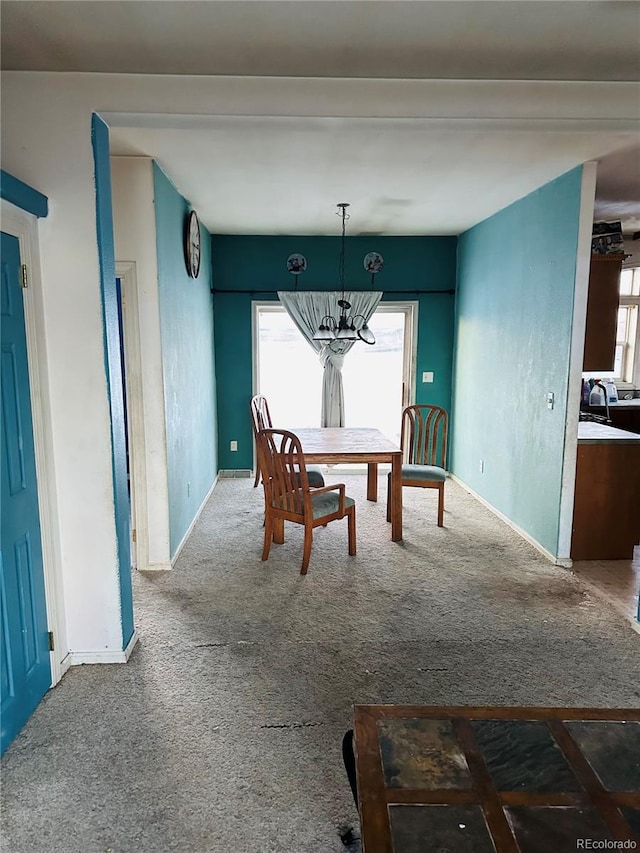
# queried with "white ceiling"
point(268, 175)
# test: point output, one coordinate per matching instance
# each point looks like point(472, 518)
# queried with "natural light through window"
point(289, 373)
point(627, 349)
point(372, 377)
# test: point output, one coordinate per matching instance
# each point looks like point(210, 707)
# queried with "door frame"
point(126, 272)
point(408, 307)
point(24, 226)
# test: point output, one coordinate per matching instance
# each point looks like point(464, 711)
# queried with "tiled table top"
point(470, 780)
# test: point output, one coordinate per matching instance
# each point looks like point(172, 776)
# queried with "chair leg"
point(268, 536)
point(389, 498)
point(306, 553)
point(257, 479)
point(351, 521)
point(440, 504)
point(278, 531)
point(349, 760)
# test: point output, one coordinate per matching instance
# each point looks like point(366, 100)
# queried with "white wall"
point(46, 142)
point(135, 241)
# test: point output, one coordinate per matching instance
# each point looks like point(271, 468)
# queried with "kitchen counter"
point(606, 511)
point(592, 433)
point(623, 415)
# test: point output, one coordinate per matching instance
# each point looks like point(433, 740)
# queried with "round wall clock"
point(192, 244)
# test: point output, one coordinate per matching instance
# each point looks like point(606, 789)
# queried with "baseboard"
point(157, 567)
point(110, 656)
point(566, 563)
point(192, 525)
point(64, 665)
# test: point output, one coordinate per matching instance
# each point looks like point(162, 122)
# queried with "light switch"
point(550, 400)
point(427, 376)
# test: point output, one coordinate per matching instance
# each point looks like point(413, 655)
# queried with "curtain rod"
point(290, 290)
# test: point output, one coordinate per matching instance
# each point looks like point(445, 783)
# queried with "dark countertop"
point(622, 404)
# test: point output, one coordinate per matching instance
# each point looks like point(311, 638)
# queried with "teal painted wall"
point(514, 313)
point(22, 195)
point(113, 367)
point(258, 264)
point(186, 325)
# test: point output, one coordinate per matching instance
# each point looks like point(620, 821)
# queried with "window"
point(627, 359)
point(378, 380)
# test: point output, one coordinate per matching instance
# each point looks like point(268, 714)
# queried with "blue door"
point(24, 640)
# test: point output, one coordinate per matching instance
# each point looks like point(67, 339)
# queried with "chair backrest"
point(260, 417)
point(285, 474)
point(423, 438)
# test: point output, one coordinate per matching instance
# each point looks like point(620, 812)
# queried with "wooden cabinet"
point(602, 312)
point(606, 513)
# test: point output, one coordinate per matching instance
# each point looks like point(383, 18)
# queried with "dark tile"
point(459, 829)
point(522, 755)
point(612, 749)
point(633, 819)
point(422, 754)
point(544, 829)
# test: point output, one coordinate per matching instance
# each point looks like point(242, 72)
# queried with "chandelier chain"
point(343, 213)
point(345, 327)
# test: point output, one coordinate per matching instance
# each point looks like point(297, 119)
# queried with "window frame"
point(630, 300)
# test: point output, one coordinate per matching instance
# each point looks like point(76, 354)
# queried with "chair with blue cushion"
point(289, 496)
point(423, 440)
point(261, 419)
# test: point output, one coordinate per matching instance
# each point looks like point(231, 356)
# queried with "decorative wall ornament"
point(296, 264)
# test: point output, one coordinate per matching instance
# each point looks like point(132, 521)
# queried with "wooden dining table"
point(333, 445)
point(497, 779)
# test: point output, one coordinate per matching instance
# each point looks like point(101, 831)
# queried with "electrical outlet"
point(481, 466)
point(427, 376)
point(233, 445)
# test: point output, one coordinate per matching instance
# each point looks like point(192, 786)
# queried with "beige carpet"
point(223, 732)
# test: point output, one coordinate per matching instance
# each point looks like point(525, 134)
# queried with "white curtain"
point(307, 309)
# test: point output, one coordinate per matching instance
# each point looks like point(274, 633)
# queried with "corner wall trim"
point(193, 523)
point(110, 656)
point(564, 562)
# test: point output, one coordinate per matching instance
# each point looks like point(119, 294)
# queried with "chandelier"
point(345, 326)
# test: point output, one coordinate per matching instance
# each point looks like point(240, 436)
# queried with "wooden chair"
point(261, 419)
point(289, 496)
point(423, 440)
